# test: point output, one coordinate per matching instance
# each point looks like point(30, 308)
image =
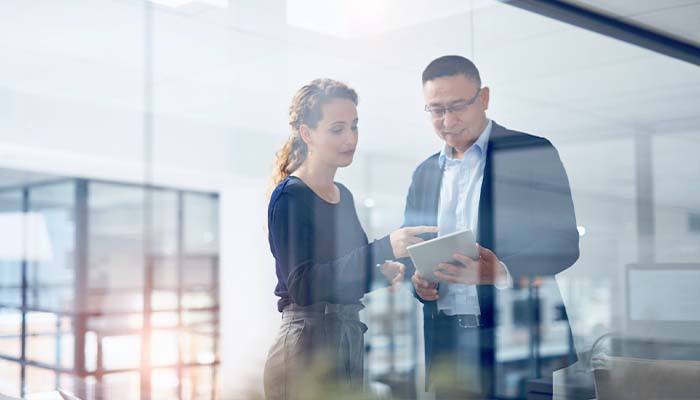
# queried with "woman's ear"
point(305, 133)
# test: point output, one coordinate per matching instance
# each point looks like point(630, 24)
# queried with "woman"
point(323, 259)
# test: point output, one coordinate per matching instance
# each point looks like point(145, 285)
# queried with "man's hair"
point(450, 66)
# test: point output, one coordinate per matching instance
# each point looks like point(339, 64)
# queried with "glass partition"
point(88, 269)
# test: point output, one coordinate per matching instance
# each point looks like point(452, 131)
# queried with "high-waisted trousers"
point(319, 350)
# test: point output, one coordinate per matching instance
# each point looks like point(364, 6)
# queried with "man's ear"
point(305, 133)
point(485, 96)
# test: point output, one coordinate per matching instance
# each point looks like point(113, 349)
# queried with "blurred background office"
point(137, 136)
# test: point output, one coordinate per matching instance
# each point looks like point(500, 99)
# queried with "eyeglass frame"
point(453, 108)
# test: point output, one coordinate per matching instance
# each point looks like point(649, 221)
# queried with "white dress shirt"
point(458, 209)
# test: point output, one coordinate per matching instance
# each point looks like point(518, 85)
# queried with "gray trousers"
point(318, 353)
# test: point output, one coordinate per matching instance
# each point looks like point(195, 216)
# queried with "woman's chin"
point(346, 161)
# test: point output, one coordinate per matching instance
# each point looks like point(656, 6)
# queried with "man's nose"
point(449, 120)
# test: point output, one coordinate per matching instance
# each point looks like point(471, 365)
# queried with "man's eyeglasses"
point(440, 111)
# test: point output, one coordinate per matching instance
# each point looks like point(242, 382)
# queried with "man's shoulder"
point(430, 163)
point(504, 137)
point(524, 152)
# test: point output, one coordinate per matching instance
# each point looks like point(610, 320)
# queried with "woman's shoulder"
point(290, 190)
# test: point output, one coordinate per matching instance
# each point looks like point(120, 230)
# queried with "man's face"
point(459, 129)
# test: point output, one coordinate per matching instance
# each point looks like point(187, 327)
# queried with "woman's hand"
point(393, 271)
point(426, 290)
point(404, 237)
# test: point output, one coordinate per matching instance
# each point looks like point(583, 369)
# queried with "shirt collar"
point(481, 145)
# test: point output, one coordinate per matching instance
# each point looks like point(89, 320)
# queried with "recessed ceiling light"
point(351, 19)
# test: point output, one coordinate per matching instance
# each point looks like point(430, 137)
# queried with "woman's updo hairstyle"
point(306, 109)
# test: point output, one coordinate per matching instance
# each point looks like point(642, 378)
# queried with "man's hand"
point(487, 270)
point(393, 271)
point(426, 290)
point(404, 237)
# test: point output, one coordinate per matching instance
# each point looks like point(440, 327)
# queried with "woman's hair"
point(306, 109)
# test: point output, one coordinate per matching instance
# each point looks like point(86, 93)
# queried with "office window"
point(93, 251)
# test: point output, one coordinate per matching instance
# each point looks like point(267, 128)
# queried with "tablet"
point(427, 255)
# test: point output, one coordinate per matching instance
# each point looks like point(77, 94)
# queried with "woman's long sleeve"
point(308, 280)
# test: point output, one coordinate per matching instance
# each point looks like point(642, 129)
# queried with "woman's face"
point(334, 139)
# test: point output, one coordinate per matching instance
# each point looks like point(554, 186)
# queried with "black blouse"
point(321, 251)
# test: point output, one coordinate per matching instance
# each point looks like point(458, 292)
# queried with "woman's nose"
point(351, 137)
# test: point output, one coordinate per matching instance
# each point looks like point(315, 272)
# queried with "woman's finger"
point(417, 230)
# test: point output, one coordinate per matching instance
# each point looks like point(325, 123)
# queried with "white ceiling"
point(230, 71)
point(677, 18)
point(598, 83)
point(351, 19)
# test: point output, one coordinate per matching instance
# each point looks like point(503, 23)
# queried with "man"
point(511, 189)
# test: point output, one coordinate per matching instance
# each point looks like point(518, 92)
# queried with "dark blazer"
point(526, 215)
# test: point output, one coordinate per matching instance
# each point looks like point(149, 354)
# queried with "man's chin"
point(453, 140)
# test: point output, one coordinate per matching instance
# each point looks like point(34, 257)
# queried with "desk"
point(577, 386)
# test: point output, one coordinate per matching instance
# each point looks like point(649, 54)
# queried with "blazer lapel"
point(432, 191)
point(485, 234)
point(486, 231)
